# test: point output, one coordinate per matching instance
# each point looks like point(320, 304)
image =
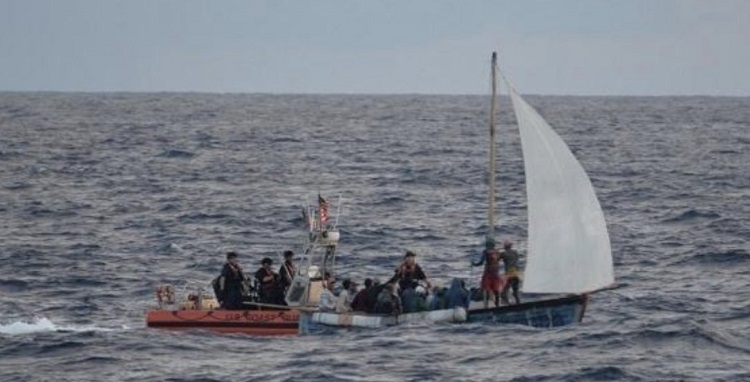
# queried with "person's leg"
point(516, 283)
point(504, 293)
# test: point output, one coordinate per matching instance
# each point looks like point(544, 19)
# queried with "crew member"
point(408, 272)
point(231, 283)
point(287, 270)
point(269, 290)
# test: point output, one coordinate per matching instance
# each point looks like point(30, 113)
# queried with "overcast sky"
point(599, 47)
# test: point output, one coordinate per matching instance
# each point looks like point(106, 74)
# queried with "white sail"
point(568, 243)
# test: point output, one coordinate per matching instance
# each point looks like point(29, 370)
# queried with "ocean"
point(104, 197)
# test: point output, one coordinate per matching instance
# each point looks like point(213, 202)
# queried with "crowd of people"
point(407, 291)
point(233, 287)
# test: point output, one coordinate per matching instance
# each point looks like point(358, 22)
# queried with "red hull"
point(252, 322)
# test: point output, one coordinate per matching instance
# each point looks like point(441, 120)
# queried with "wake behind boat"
point(569, 252)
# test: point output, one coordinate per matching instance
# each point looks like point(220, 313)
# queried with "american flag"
point(323, 207)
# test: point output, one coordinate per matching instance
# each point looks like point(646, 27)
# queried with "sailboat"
point(568, 249)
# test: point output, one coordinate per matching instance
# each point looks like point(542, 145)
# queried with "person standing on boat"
point(231, 283)
point(512, 272)
point(268, 283)
point(492, 282)
point(287, 270)
point(408, 272)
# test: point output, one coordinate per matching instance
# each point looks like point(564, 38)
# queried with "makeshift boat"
point(568, 251)
point(312, 320)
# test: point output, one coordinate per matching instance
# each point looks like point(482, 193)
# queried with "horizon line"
point(502, 94)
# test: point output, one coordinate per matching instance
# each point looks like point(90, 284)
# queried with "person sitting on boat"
point(408, 272)
point(268, 283)
point(457, 295)
point(343, 302)
point(287, 270)
point(492, 282)
point(388, 301)
point(438, 299)
point(422, 304)
point(231, 283)
point(512, 272)
point(352, 291)
point(327, 302)
point(373, 294)
point(360, 303)
point(409, 298)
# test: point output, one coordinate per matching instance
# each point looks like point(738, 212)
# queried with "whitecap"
point(43, 324)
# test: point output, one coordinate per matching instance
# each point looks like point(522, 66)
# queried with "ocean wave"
point(721, 337)
point(601, 373)
point(693, 215)
point(13, 285)
point(730, 257)
point(177, 154)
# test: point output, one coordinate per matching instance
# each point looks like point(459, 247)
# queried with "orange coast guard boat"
point(201, 310)
point(253, 322)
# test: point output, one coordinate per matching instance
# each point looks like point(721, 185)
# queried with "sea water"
point(104, 197)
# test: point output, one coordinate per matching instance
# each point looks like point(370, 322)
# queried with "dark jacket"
point(388, 303)
point(406, 275)
point(456, 296)
point(372, 297)
point(269, 290)
point(231, 295)
point(409, 300)
point(361, 301)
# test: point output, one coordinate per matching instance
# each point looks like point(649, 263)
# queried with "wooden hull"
point(539, 314)
point(252, 322)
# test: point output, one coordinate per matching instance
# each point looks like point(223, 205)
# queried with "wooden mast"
point(491, 170)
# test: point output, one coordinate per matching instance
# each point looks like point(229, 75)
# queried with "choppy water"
point(105, 196)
